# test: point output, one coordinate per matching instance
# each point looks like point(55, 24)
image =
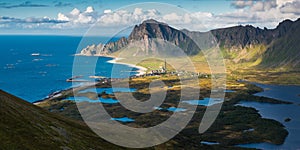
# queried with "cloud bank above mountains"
point(261, 13)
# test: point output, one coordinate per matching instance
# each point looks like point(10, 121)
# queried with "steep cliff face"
point(284, 51)
point(151, 30)
point(281, 46)
point(242, 36)
point(104, 49)
point(264, 48)
point(152, 35)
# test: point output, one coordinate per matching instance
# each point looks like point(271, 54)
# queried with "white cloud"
point(124, 17)
point(263, 5)
point(106, 11)
point(75, 12)
point(138, 11)
point(269, 4)
point(258, 6)
point(172, 17)
point(78, 19)
point(239, 4)
point(61, 16)
point(89, 9)
point(187, 19)
point(283, 2)
point(262, 13)
point(30, 20)
point(291, 7)
point(258, 13)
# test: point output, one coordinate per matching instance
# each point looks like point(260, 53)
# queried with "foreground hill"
point(25, 126)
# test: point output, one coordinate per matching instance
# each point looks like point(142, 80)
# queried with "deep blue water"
point(279, 112)
point(34, 77)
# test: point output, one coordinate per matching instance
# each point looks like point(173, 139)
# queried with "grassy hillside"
point(25, 126)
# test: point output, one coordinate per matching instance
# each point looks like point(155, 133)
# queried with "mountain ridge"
point(237, 42)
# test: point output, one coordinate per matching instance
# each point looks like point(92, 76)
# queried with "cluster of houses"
point(163, 71)
point(179, 73)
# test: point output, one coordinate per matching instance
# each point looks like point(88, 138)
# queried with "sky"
point(107, 17)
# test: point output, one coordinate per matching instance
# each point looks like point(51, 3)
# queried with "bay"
point(33, 77)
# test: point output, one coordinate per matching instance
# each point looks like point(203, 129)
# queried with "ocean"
point(32, 67)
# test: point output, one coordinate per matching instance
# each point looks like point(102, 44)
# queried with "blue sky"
point(51, 8)
point(76, 17)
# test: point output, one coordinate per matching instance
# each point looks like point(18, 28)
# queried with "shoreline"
point(267, 111)
point(60, 92)
point(141, 70)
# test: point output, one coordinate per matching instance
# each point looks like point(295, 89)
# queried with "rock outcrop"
point(151, 33)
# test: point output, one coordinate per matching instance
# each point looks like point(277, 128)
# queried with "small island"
point(287, 119)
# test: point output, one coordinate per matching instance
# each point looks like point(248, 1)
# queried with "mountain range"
point(261, 48)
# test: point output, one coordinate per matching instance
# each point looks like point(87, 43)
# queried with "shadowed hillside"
point(25, 126)
point(285, 51)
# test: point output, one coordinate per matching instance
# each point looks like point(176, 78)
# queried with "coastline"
point(60, 92)
point(141, 70)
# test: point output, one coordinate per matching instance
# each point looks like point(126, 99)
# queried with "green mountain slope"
point(285, 51)
point(25, 126)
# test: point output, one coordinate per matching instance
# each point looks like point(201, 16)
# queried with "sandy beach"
point(141, 70)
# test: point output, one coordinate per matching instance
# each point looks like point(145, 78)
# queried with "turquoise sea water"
point(34, 77)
